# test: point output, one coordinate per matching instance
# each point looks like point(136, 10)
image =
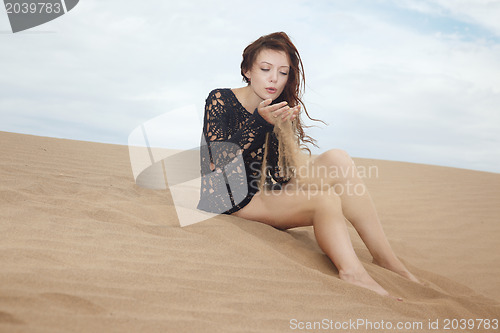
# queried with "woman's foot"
point(396, 266)
point(361, 278)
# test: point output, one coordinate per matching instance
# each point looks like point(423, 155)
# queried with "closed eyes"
point(267, 70)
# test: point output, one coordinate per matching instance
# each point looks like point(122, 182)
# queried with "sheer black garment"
point(231, 154)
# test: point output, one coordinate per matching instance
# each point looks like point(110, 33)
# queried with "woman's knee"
point(336, 157)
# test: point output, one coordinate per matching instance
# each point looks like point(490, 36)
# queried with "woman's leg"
point(291, 208)
point(336, 168)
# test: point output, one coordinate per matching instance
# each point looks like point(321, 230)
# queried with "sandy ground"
point(84, 249)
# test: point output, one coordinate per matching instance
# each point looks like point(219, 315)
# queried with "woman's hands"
point(271, 112)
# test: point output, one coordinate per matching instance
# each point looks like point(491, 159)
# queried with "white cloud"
point(481, 12)
point(484, 13)
point(393, 92)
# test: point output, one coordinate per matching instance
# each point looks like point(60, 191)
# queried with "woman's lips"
point(271, 90)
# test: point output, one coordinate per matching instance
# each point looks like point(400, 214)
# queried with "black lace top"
point(231, 154)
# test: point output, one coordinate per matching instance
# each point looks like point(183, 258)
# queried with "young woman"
point(254, 167)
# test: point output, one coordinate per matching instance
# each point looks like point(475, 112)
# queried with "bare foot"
point(397, 267)
point(363, 279)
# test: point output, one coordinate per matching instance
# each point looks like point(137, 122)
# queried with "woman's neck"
point(247, 98)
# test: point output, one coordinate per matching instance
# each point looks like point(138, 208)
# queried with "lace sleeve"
point(216, 128)
point(227, 139)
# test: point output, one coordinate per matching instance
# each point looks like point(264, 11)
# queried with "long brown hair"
point(294, 88)
point(291, 136)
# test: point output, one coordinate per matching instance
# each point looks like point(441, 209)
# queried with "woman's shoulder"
point(219, 93)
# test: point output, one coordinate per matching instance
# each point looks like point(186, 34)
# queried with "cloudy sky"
point(406, 80)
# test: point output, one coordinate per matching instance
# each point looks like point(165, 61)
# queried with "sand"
point(84, 249)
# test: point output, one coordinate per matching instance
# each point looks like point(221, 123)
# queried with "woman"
point(253, 164)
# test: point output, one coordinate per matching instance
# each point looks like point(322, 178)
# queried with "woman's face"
point(269, 73)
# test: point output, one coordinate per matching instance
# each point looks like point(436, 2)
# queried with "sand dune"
point(84, 249)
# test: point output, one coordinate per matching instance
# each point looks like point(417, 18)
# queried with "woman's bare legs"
point(336, 168)
point(292, 208)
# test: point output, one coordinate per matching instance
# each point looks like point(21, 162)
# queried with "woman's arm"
point(224, 147)
point(224, 178)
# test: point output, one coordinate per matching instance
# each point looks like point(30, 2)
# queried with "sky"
point(415, 81)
